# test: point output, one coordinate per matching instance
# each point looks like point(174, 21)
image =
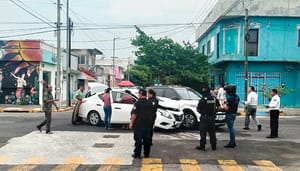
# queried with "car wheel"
point(189, 121)
point(94, 118)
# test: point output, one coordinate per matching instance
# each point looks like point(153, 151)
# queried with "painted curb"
point(33, 110)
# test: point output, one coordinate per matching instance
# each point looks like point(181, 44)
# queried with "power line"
point(32, 14)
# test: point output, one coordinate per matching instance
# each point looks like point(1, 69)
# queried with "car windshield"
point(188, 93)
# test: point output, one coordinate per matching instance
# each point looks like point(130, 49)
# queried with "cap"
point(143, 92)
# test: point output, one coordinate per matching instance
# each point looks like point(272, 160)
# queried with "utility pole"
point(246, 39)
point(68, 49)
point(113, 58)
point(58, 72)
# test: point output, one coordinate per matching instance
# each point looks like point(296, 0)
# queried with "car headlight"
point(165, 114)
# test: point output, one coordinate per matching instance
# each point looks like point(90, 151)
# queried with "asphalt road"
point(84, 147)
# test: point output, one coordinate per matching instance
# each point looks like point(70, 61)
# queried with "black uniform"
point(142, 126)
point(154, 102)
point(207, 108)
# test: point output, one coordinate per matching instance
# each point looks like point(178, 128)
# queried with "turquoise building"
point(273, 46)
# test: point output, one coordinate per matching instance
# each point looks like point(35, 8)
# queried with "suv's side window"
point(159, 92)
point(170, 93)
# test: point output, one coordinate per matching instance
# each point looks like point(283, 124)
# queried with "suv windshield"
point(188, 93)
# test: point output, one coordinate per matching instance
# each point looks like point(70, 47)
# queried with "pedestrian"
point(221, 96)
point(141, 123)
point(153, 99)
point(231, 108)
point(251, 107)
point(107, 108)
point(274, 113)
point(79, 95)
point(207, 107)
point(48, 101)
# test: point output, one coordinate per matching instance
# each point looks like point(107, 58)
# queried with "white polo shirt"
point(275, 103)
point(252, 99)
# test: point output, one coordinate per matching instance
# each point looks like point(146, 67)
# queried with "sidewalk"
point(28, 108)
point(261, 110)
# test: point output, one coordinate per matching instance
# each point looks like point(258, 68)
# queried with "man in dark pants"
point(274, 113)
point(152, 98)
point(48, 101)
point(141, 123)
point(207, 108)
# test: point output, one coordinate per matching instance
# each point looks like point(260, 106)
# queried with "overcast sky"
point(97, 22)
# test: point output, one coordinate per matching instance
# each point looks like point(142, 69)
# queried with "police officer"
point(207, 107)
point(141, 123)
point(152, 98)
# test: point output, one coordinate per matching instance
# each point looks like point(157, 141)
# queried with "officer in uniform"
point(152, 98)
point(141, 123)
point(207, 107)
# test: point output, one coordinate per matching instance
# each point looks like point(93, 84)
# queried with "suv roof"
point(176, 92)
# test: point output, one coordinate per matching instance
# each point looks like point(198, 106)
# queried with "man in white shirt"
point(251, 106)
point(274, 113)
point(221, 96)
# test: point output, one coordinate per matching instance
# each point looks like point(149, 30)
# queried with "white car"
point(188, 100)
point(92, 110)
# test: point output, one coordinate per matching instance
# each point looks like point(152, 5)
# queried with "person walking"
point(251, 107)
point(141, 123)
point(231, 108)
point(152, 98)
point(274, 106)
point(207, 107)
point(48, 101)
point(107, 108)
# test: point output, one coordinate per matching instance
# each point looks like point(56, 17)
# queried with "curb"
point(281, 113)
point(32, 110)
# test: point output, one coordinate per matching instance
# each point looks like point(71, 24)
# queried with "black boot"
point(201, 147)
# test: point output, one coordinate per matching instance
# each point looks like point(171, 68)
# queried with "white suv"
point(188, 100)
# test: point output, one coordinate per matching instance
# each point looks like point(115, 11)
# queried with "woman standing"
point(107, 108)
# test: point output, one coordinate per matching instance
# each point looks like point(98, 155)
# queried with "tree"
point(169, 62)
point(138, 75)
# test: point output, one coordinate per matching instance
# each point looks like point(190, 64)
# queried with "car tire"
point(189, 120)
point(94, 118)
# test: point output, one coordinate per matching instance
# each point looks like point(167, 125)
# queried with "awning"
point(87, 75)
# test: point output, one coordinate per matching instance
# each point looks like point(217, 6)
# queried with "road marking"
point(70, 163)
point(189, 165)
point(111, 164)
point(29, 164)
point(3, 159)
point(266, 165)
point(230, 165)
point(151, 164)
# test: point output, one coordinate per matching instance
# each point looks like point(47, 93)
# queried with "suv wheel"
point(189, 121)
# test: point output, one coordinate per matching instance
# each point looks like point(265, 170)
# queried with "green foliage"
point(138, 75)
point(168, 62)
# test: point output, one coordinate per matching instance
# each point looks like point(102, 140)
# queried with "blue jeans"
point(107, 117)
point(230, 118)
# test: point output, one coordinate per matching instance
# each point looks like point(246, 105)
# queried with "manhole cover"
point(103, 145)
point(111, 136)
